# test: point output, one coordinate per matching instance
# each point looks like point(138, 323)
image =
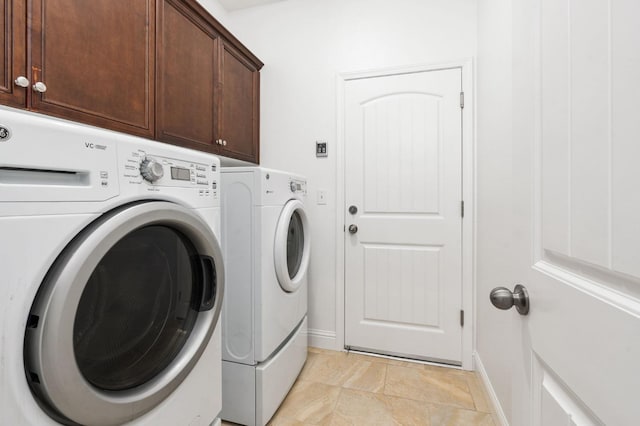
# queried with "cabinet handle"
point(22, 81)
point(40, 87)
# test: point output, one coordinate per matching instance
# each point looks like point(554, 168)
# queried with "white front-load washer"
point(112, 278)
point(266, 246)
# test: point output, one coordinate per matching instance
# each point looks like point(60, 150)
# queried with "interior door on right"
point(576, 199)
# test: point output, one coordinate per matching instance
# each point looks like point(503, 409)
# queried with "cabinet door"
point(96, 59)
point(186, 58)
point(13, 57)
point(238, 106)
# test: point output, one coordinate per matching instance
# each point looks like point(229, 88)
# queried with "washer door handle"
point(208, 284)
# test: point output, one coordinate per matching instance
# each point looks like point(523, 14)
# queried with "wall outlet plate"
point(322, 197)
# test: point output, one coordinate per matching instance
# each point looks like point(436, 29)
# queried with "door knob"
point(503, 298)
point(353, 229)
point(353, 209)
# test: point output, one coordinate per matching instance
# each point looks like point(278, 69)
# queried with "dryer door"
point(124, 314)
point(292, 245)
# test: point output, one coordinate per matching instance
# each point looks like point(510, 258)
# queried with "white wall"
point(494, 210)
point(215, 8)
point(304, 45)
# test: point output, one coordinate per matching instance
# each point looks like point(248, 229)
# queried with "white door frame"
point(468, 193)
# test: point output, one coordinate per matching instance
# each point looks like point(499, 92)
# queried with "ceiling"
point(243, 4)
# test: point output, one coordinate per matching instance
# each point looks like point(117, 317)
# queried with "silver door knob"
point(353, 229)
point(22, 81)
point(40, 87)
point(503, 298)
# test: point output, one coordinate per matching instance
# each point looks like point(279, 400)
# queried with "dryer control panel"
point(298, 186)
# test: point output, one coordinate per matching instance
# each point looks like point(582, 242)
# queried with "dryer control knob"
point(151, 170)
point(293, 186)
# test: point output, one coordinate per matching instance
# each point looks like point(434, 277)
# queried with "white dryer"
point(112, 278)
point(266, 249)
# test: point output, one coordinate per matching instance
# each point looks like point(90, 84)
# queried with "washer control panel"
point(156, 171)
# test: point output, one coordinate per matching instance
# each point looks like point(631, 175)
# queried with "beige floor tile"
point(361, 408)
point(480, 397)
point(308, 403)
point(428, 385)
point(330, 368)
point(366, 376)
point(283, 421)
point(357, 408)
point(442, 370)
point(409, 413)
point(412, 364)
point(449, 416)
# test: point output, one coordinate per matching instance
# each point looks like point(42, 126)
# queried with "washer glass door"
point(124, 314)
point(137, 309)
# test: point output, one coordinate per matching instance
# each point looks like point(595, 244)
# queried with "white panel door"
point(576, 198)
point(403, 174)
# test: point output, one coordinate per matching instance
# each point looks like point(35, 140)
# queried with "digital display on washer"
point(178, 173)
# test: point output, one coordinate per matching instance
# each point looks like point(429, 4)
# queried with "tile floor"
point(339, 388)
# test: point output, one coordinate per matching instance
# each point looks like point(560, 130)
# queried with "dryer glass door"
point(291, 246)
point(295, 244)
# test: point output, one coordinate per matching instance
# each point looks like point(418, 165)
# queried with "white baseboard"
point(490, 391)
point(323, 339)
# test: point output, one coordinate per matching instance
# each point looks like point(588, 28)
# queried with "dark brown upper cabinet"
point(238, 106)
point(207, 84)
point(13, 58)
point(163, 69)
point(90, 61)
point(186, 78)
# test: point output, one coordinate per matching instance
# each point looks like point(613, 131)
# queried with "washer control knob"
point(151, 170)
point(293, 186)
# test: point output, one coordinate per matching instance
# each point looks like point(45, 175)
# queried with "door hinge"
point(461, 99)
point(462, 208)
point(461, 318)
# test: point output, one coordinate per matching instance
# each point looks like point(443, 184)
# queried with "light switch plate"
point(321, 149)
